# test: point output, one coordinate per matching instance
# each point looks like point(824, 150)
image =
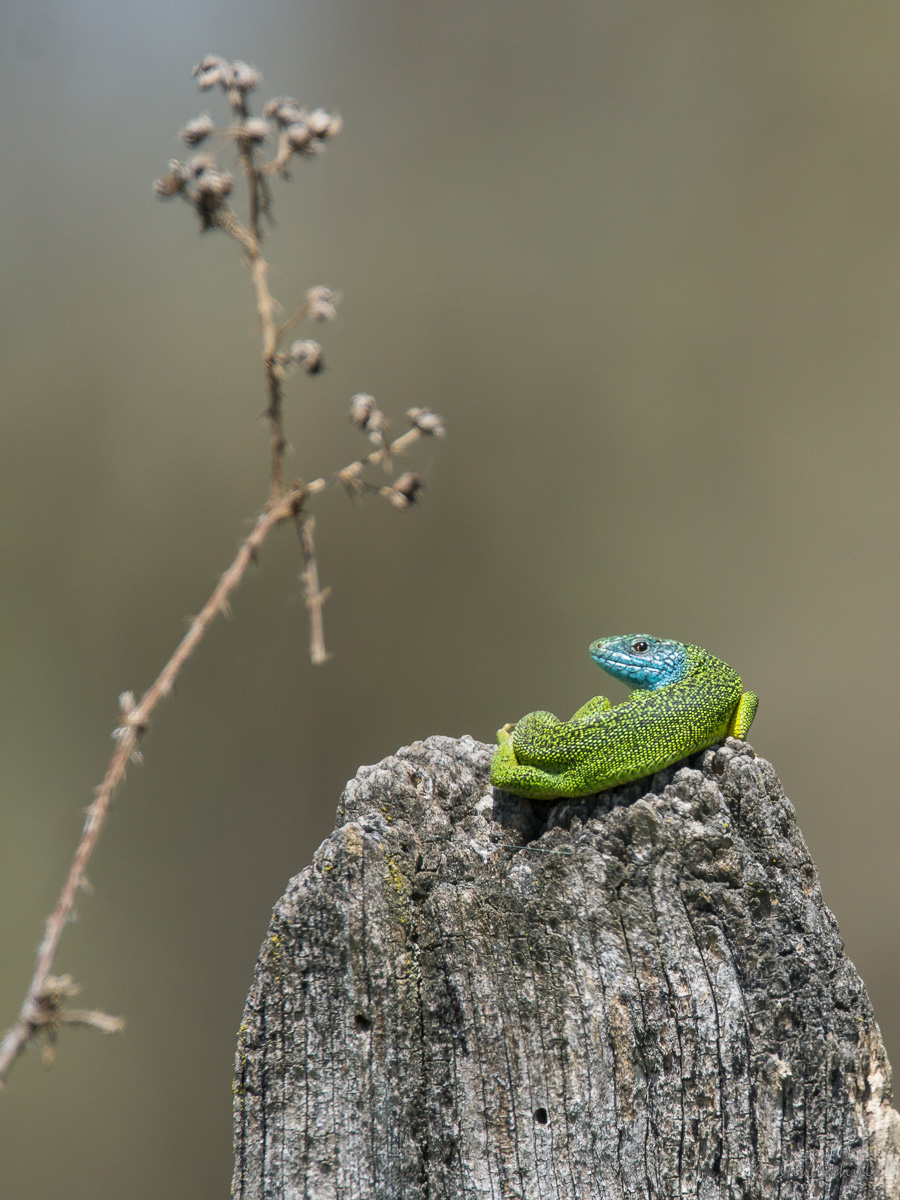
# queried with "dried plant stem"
point(312, 592)
point(42, 1008)
point(266, 307)
point(255, 180)
point(300, 315)
point(353, 470)
point(34, 1014)
point(204, 186)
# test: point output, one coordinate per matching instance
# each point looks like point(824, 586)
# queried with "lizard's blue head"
point(641, 661)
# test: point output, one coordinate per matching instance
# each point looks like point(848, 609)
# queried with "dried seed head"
point(196, 130)
point(208, 72)
point(321, 302)
point(173, 183)
point(405, 490)
point(167, 186)
point(300, 138)
point(350, 478)
point(377, 428)
point(362, 406)
point(225, 182)
point(213, 184)
point(426, 421)
point(242, 76)
point(323, 125)
point(200, 163)
point(210, 190)
point(209, 63)
point(307, 354)
point(284, 109)
point(255, 130)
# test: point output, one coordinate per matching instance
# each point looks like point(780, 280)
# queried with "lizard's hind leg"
point(740, 723)
point(523, 780)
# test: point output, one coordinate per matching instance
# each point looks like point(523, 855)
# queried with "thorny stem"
point(38, 1012)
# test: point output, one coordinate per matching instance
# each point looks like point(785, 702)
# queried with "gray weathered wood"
point(640, 994)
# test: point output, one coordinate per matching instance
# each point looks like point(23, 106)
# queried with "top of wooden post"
point(642, 993)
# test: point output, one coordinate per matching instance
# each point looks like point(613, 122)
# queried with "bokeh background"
point(644, 257)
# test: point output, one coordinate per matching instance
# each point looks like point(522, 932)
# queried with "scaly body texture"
point(684, 700)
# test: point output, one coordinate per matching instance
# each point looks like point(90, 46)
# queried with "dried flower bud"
point(426, 421)
point(323, 125)
point(243, 77)
point(320, 303)
point(300, 138)
point(214, 184)
point(173, 183)
point(284, 109)
point(196, 130)
point(307, 354)
point(225, 182)
point(209, 63)
point(167, 186)
point(208, 72)
point(362, 406)
point(255, 129)
point(377, 428)
point(199, 163)
point(350, 478)
point(406, 489)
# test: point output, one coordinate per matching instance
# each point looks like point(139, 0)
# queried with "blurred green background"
point(645, 259)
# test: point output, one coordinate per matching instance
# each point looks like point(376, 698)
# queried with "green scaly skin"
point(684, 700)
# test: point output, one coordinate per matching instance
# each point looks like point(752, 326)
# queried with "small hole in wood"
point(363, 1022)
point(540, 1115)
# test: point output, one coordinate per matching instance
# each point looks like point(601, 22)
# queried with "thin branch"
point(33, 1014)
point(40, 1001)
point(354, 470)
point(266, 306)
point(315, 597)
point(44, 1009)
point(259, 199)
point(300, 315)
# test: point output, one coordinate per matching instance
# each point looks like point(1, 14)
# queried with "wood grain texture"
point(640, 994)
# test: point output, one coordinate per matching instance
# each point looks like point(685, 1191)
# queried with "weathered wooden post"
point(637, 995)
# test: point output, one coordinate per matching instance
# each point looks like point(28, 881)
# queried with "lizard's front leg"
point(541, 740)
point(590, 710)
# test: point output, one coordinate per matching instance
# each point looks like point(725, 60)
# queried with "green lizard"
point(683, 701)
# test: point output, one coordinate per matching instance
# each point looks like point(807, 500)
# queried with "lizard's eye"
point(640, 647)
